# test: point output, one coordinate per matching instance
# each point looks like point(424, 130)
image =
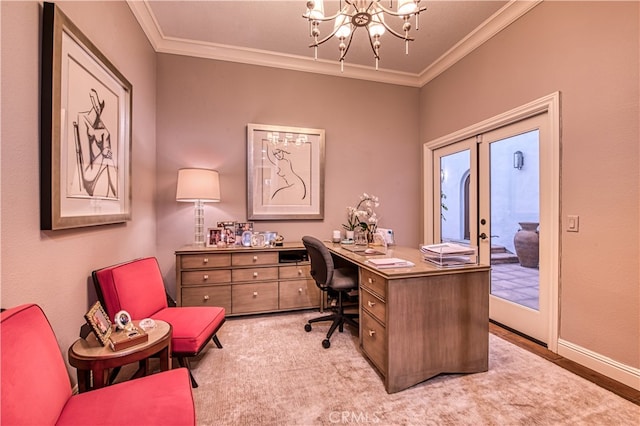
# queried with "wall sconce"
point(198, 186)
point(518, 160)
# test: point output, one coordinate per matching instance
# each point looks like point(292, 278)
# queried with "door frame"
point(549, 159)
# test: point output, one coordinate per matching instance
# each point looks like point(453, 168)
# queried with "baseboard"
point(615, 370)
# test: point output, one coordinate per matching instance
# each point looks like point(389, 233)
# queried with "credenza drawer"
point(204, 260)
point(374, 305)
point(255, 258)
point(254, 274)
point(374, 282)
point(374, 344)
point(211, 276)
point(254, 297)
point(299, 294)
point(217, 295)
point(295, 271)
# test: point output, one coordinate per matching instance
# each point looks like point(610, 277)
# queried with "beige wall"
point(53, 268)
point(589, 52)
point(198, 110)
point(204, 106)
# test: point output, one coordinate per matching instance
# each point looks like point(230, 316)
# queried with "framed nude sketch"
point(85, 142)
point(285, 173)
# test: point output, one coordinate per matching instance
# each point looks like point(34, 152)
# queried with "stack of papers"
point(449, 254)
point(390, 262)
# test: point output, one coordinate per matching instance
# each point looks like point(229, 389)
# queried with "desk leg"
point(84, 380)
point(165, 359)
point(99, 379)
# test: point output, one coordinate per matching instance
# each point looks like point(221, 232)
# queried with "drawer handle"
point(206, 297)
point(299, 271)
point(205, 277)
point(372, 333)
point(255, 258)
point(255, 294)
point(255, 275)
point(371, 304)
point(371, 280)
point(205, 260)
point(300, 290)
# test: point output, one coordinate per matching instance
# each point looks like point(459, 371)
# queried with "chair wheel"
point(307, 327)
point(326, 343)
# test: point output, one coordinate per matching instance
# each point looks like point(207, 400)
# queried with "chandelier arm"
point(344, 54)
point(392, 31)
point(325, 19)
point(327, 38)
point(392, 13)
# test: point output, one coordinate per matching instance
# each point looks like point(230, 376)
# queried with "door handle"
point(483, 236)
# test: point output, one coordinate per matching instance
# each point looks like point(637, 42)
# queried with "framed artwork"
point(215, 236)
point(285, 173)
point(99, 321)
point(85, 140)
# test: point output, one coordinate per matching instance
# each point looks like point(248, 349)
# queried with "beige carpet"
point(271, 372)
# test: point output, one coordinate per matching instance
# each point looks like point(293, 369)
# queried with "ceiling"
point(274, 33)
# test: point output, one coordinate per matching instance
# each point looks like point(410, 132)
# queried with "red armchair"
point(137, 287)
point(35, 385)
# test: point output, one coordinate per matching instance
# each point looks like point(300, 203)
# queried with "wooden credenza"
point(416, 323)
point(246, 280)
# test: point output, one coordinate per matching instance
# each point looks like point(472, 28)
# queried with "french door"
point(487, 186)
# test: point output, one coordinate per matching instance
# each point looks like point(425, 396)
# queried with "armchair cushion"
point(193, 326)
point(35, 388)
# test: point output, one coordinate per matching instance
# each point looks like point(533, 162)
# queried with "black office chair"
point(335, 281)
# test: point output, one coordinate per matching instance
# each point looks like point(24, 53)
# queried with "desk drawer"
point(299, 294)
point(206, 277)
point(373, 282)
point(254, 274)
point(374, 341)
point(254, 297)
point(205, 260)
point(215, 295)
point(260, 258)
point(295, 271)
point(374, 305)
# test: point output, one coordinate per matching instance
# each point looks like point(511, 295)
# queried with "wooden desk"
point(418, 322)
point(89, 356)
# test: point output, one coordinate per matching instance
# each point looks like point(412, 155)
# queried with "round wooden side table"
point(90, 358)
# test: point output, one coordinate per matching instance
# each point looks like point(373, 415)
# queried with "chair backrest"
point(321, 261)
point(135, 286)
point(34, 382)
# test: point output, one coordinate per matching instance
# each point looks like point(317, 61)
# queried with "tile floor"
point(516, 283)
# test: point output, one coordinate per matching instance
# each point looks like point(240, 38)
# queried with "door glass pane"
point(454, 196)
point(515, 216)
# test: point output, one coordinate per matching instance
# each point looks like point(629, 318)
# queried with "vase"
point(349, 235)
point(527, 244)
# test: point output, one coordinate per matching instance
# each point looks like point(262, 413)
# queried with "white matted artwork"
point(285, 172)
point(85, 130)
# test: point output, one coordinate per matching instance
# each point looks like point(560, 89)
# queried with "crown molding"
point(163, 44)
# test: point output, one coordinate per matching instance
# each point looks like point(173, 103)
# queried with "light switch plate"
point(573, 223)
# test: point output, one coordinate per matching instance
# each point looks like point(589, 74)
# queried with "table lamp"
point(198, 186)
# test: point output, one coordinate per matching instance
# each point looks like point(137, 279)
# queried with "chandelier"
point(361, 13)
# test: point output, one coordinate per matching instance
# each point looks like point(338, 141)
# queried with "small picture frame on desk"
point(229, 230)
point(100, 324)
point(215, 237)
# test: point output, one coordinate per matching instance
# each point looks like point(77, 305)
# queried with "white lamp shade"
point(407, 7)
point(198, 185)
point(375, 26)
point(342, 25)
point(317, 12)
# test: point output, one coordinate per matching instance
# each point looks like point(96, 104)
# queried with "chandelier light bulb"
point(361, 13)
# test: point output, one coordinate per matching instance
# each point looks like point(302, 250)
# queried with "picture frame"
point(85, 133)
point(215, 236)
point(100, 323)
point(229, 230)
point(285, 172)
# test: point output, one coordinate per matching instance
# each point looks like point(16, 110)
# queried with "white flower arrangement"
point(363, 215)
